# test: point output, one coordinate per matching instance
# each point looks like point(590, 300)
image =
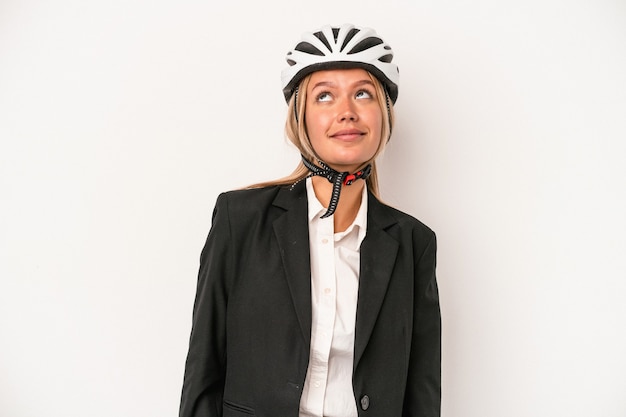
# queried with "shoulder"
point(257, 205)
point(404, 222)
point(251, 199)
point(407, 219)
point(240, 210)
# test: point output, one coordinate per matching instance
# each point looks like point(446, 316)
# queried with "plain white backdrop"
point(121, 121)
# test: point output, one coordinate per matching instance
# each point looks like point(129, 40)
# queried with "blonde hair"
point(295, 130)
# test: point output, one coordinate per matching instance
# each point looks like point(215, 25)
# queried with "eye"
point(324, 96)
point(361, 94)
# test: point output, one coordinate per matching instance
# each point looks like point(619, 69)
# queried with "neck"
point(349, 201)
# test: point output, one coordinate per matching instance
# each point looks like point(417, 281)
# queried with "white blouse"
point(334, 291)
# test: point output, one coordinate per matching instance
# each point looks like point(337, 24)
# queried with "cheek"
point(376, 123)
point(316, 125)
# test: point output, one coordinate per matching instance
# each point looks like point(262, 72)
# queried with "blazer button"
point(365, 402)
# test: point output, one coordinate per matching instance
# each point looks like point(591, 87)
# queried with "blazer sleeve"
point(205, 368)
point(423, 392)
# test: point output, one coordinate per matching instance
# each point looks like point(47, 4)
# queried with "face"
point(343, 118)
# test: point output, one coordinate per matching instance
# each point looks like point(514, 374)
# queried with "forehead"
point(340, 76)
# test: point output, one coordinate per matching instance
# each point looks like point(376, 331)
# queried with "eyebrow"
point(331, 84)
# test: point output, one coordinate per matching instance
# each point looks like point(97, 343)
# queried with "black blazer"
point(249, 344)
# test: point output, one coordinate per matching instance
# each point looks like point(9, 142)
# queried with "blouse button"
point(365, 402)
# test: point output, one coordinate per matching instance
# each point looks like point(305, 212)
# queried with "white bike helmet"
point(347, 46)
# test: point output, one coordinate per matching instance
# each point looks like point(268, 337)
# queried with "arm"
point(205, 367)
point(423, 392)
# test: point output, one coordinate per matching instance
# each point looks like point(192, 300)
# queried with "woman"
point(314, 298)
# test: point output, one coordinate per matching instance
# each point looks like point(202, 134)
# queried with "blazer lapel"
point(378, 256)
point(292, 234)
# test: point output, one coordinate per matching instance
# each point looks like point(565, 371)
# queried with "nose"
point(347, 111)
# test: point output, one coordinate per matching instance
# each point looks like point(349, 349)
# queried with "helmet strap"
point(388, 101)
point(337, 179)
point(295, 103)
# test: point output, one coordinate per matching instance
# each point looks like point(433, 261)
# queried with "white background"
point(121, 121)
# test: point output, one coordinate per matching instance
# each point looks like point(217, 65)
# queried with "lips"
point(347, 134)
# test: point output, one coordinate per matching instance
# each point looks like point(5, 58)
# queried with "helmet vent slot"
point(365, 44)
point(321, 37)
point(349, 37)
point(308, 49)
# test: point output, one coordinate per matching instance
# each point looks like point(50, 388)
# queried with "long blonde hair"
point(297, 134)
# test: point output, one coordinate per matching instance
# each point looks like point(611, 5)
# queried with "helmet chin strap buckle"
point(349, 179)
